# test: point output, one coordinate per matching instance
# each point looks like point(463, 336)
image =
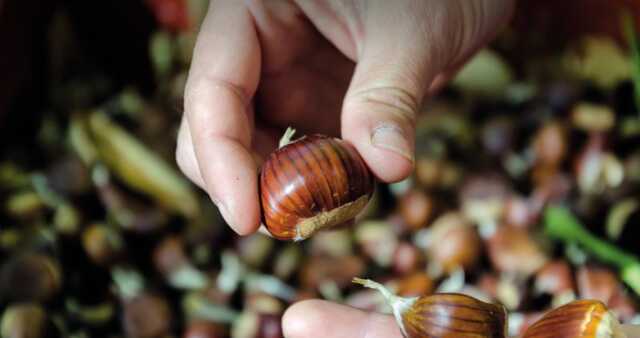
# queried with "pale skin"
point(358, 69)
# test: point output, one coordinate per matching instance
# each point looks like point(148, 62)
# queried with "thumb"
point(400, 52)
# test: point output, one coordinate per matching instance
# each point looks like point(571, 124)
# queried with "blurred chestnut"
point(102, 243)
point(437, 173)
point(312, 183)
point(332, 242)
point(416, 208)
point(254, 249)
point(550, 144)
point(483, 198)
point(407, 258)
point(514, 250)
point(603, 284)
point(23, 320)
point(454, 243)
point(30, 277)
point(169, 255)
point(377, 240)
point(317, 270)
point(146, 316)
point(416, 284)
point(203, 329)
point(554, 278)
point(287, 261)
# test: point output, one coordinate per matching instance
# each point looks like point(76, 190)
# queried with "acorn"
point(443, 314)
point(312, 183)
point(580, 318)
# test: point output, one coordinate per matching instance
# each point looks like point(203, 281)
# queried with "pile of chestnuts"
point(519, 219)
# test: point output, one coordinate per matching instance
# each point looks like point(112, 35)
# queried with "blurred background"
point(526, 188)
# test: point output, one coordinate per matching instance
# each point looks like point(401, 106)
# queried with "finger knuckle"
point(392, 99)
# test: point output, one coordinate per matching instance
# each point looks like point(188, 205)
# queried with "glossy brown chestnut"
point(580, 318)
point(445, 315)
point(312, 183)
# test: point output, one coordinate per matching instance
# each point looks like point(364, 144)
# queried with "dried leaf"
point(141, 169)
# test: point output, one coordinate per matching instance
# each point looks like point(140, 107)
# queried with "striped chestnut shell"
point(443, 315)
point(580, 318)
point(312, 183)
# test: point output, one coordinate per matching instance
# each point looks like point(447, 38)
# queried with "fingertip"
point(243, 216)
point(386, 165)
point(389, 157)
point(229, 172)
point(319, 318)
point(295, 321)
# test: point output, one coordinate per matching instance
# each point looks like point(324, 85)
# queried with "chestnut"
point(146, 316)
point(312, 183)
point(454, 243)
point(30, 277)
point(443, 314)
point(416, 208)
point(102, 243)
point(581, 318)
point(514, 250)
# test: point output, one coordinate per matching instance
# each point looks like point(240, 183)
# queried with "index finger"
point(222, 80)
point(318, 318)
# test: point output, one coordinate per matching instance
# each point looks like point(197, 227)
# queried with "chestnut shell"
point(313, 183)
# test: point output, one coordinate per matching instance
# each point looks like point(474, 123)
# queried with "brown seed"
point(30, 277)
point(255, 249)
point(554, 278)
point(581, 318)
point(514, 250)
point(169, 255)
point(377, 240)
point(550, 145)
point(317, 270)
point(407, 258)
point(455, 243)
point(204, 329)
point(312, 183)
point(146, 316)
point(416, 284)
point(443, 315)
point(102, 243)
point(416, 208)
point(602, 284)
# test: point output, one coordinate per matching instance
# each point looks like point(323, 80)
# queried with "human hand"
point(361, 67)
point(319, 318)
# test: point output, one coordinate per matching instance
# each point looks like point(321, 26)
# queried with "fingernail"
point(391, 137)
